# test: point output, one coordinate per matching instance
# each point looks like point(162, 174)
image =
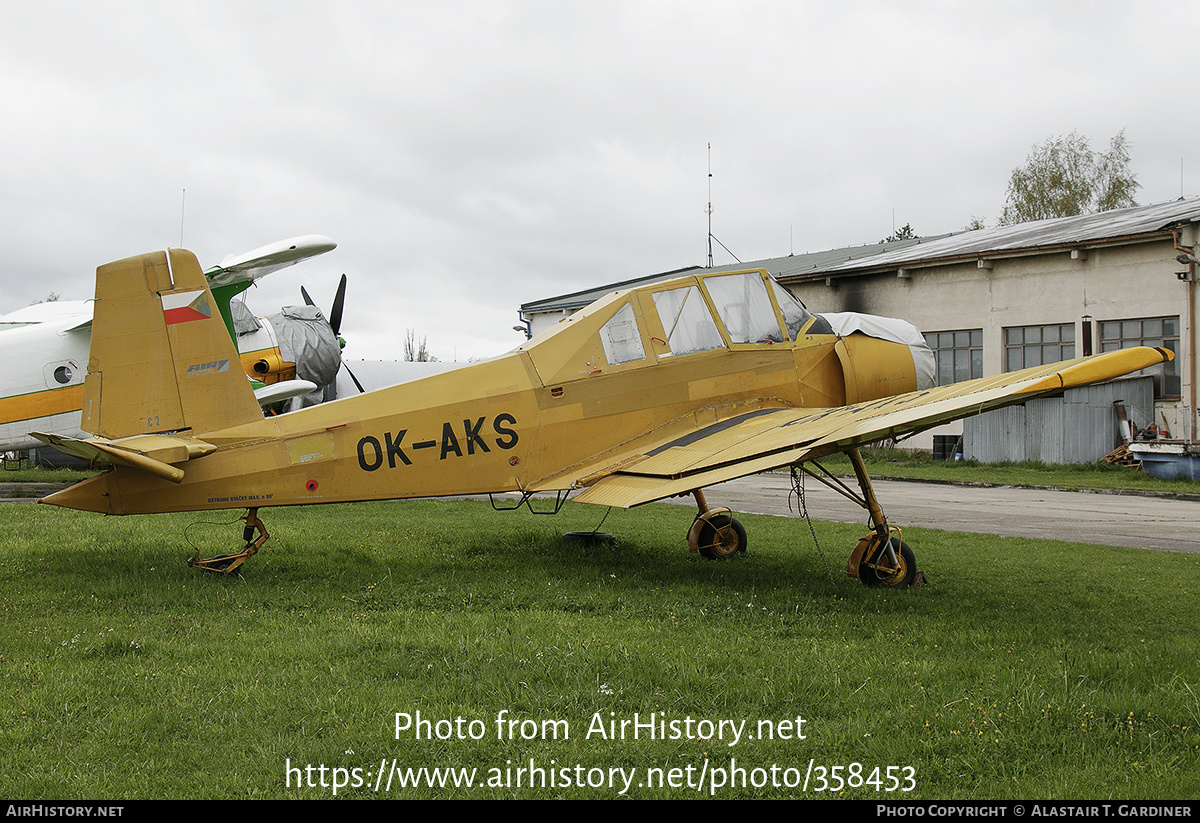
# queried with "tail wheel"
point(221, 564)
point(875, 568)
point(720, 537)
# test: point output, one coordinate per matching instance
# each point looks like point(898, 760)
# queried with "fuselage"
point(624, 375)
point(43, 359)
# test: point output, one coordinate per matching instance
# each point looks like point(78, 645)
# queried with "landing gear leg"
point(229, 563)
point(714, 532)
point(879, 559)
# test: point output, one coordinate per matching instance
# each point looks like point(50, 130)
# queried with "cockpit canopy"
point(694, 314)
point(743, 306)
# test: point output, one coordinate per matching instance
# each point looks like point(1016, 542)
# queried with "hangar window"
point(687, 321)
point(958, 354)
point(1026, 346)
point(1157, 332)
point(621, 339)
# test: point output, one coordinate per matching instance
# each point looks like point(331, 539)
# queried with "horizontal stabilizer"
point(149, 453)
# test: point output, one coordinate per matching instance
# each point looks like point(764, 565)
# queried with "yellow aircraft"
point(648, 393)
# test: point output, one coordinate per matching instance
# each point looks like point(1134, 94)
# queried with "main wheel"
point(721, 537)
point(904, 576)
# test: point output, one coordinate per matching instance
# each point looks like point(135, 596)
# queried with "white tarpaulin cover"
point(889, 328)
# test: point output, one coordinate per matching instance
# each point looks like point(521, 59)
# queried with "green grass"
point(919, 465)
point(1024, 670)
point(25, 473)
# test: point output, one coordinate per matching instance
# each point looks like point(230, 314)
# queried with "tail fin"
point(161, 358)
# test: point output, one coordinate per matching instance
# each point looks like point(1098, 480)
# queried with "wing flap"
point(624, 490)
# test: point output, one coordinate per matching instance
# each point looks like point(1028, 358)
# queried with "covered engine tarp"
point(306, 339)
point(889, 328)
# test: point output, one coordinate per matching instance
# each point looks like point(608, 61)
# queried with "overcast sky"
point(468, 157)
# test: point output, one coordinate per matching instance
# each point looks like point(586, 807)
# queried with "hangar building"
point(1000, 299)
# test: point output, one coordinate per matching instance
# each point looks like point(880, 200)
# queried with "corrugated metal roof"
point(586, 297)
point(1085, 229)
point(798, 264)
point(1082, 230)
point(793, 264)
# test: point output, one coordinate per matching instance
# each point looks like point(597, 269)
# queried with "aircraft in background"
point(43, 360)
point(651, 392)
point(44, 347)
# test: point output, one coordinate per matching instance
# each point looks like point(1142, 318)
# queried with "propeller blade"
point(308, 301)
point(335, 315)
point(355, 379)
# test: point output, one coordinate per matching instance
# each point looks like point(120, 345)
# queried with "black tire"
point(721, 537)
point(870, 576)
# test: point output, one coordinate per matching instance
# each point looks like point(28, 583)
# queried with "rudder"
point(161, 358)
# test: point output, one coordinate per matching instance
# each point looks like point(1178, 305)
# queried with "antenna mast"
point(709, 210)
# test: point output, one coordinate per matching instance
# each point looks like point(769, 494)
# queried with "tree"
point(415, 352)
point(1064, 177)
point(905, 233)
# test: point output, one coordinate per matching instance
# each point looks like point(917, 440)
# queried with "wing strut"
point(868, 500)
point(832, 481)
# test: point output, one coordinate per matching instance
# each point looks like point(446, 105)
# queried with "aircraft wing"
point(248, 267)
point(770, 438)
point(63, 315)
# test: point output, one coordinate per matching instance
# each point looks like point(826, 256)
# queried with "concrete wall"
point(1134, 280)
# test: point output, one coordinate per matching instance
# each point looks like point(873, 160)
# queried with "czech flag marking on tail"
point(185, 307)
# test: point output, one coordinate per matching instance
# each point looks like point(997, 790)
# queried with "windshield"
point(794, 313)
point(745, 307)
